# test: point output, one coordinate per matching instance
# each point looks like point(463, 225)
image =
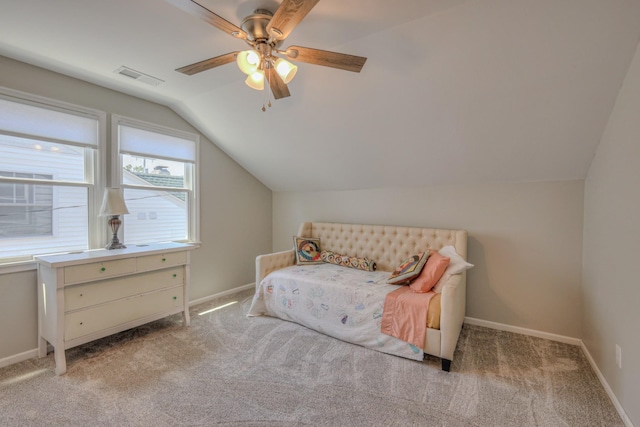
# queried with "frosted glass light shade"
point(256, 80)
point(113, 203)
point(248, 61)
point(286, 70)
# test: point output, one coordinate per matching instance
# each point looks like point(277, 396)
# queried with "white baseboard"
point(221, 294)
point(523, 331)
point(605, 384)
point(30, 354)
point(563, 339)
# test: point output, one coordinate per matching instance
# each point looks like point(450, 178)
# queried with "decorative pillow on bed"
point(307, 250)
point(457, 265)
point(348, 261)
point(431, 273)
point(408, 269)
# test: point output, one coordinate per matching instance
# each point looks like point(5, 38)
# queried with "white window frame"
point(192, 172)
point(95, 162)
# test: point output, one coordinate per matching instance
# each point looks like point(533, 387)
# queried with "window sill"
point(18, 266)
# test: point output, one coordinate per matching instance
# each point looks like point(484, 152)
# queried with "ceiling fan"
point(265, 32)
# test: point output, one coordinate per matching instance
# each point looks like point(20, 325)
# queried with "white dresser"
point(89, 295)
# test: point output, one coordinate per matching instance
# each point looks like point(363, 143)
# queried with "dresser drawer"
point(101, 317)
point(155, 262)
point(98, 270)
point(80, 296)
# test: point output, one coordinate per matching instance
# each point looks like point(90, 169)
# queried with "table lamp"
point(113, 206)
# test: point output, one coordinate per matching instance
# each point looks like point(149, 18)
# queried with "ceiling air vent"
point(137, 75)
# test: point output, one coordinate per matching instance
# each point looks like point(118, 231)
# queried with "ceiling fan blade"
point(208, 64)
point(288, 15)
point(196, 9)
point(278, 87)
point(341, 61)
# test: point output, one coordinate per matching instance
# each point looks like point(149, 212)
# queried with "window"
point(53, 176)
point(156, 167)
point(49, 155)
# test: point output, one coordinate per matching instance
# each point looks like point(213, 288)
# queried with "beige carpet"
point(229, 369)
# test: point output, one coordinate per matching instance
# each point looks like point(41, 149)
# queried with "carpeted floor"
point(229, 369)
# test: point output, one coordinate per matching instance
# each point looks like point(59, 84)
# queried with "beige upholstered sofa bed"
point(388, 246)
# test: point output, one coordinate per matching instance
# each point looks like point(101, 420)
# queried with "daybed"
point(388, 246)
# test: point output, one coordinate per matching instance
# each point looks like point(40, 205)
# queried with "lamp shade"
point(286, 70)
point(256, 80)
point(113, 202)
point(248, 61)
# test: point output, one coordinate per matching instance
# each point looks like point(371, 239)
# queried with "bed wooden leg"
point(446, 365)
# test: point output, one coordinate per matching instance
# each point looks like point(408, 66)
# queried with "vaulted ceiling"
point(453, 91)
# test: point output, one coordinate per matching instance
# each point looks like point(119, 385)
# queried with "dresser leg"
point(61, 361)
point(185, 317)
point(42, 347)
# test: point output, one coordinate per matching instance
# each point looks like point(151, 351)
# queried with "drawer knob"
point(103, 269)
point(164, 259)
point(175, 275)
point(175, 298)
point(81, 323)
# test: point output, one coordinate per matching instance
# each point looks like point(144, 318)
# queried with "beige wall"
point(611, 289)
point(525, 240)
point(235, 208)
point(18, 313)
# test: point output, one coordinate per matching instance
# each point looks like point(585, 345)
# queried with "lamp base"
point(115, 245)
point(114, 224)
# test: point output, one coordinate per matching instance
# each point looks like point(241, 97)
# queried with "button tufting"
point(387, 245)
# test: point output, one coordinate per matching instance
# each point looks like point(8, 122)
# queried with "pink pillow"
point(431, 273)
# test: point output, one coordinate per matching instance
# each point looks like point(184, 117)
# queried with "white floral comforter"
point(341, 302)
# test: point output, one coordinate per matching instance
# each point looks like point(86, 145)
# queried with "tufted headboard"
point(386, 245)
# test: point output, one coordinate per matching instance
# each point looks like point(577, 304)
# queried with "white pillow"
point(457, 265)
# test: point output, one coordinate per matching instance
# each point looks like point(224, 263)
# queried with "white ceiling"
point(453, 91)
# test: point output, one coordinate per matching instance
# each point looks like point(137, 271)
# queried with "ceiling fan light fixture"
point(264, 32)
point(286, 70)
point(255, 80)
point(248, 61)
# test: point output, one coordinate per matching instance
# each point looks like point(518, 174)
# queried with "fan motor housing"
point(255, 25)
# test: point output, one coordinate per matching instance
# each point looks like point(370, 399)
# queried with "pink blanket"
point(405, 315)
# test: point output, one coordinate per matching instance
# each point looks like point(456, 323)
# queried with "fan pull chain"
point(268, 94)
point(264, 95)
